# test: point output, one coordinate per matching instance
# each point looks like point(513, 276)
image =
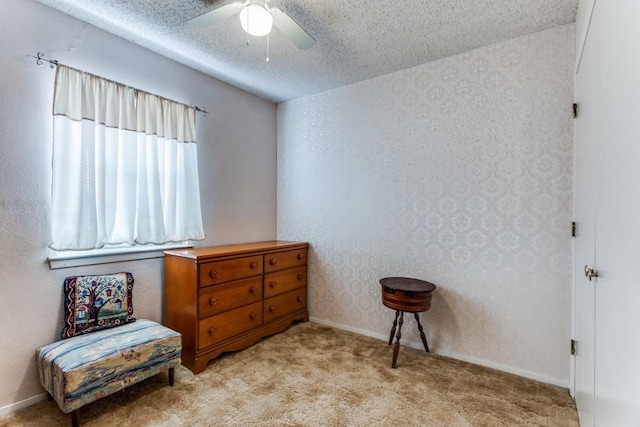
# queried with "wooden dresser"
point(225, 298)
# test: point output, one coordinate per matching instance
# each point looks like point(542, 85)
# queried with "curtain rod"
point(40, 59)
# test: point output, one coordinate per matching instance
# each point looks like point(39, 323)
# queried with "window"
point(125, 168)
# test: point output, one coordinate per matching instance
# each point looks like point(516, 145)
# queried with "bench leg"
point(75, 418)
point(172, 374)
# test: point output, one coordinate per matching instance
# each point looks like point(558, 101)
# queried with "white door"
point(608, 91)
point(585, 178)
point(617, 374)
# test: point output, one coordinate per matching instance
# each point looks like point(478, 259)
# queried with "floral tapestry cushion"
point(98, 302)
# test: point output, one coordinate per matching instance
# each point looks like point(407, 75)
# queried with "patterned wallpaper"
point(458, 172)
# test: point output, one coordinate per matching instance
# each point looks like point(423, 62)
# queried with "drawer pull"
point(213, 274)
point(273, 261)
point(299, 298)
point(253, 265)
point(213, 301)
point(299, 257)
point(253, 316)
point(213, 331)
point(300, 276)
point(253, 289)
point(272, 309)
point(272, 285)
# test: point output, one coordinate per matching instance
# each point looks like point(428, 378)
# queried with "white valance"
point(84, 96)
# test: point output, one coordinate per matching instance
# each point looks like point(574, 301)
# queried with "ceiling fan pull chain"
point(267, 48)
point(247, 24)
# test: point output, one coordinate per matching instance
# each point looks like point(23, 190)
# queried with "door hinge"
point(573, 347)
point(575, 110)
point(573, 229)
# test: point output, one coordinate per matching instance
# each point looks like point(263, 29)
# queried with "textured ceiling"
point(356, 39)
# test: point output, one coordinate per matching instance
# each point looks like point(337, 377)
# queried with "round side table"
point(406, 295)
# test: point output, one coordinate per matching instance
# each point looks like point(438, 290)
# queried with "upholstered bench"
point(84, 368)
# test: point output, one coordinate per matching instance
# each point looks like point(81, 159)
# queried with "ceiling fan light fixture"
point(256, 20)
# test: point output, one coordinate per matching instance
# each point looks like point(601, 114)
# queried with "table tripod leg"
point(396, 346)
point(424, 338)
point(393, 328)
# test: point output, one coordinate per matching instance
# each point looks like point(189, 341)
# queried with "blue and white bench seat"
point(84, 368)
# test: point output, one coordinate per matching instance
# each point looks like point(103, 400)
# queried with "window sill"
point(67, 259)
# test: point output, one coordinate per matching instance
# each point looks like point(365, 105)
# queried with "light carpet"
point(313, 375)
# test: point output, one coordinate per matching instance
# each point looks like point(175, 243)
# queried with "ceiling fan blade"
point(216, 15)
point(291, 30)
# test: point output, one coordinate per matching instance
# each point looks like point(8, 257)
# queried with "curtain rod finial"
point(40, 59)
point(201, 110)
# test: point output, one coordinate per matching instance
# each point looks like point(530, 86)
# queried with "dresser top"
point(239, 249)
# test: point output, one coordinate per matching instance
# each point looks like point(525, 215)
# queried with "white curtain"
point(124, 166)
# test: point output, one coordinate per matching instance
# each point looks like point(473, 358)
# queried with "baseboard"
point(509, 369)
point(475, 361)
point(17, 406)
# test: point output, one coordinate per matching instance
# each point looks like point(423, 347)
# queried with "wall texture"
point(237, 166)
point(458, 172)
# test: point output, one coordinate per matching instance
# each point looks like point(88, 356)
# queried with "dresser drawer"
point(220, 298)
point(282, 260)
point(284, 281)
point(218, 328)
point(232, 269)
point(284, 304)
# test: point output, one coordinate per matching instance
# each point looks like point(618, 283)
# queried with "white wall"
point(458, 172)
point(237, 165)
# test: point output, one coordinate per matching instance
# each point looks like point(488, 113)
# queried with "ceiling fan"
point(257, 19)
